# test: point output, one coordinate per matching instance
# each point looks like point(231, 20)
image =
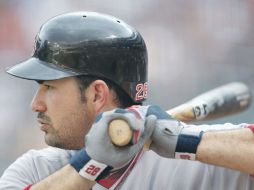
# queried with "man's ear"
point(98, 95)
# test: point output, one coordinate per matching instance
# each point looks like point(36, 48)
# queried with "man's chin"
point(58, 144)
point(52, 141)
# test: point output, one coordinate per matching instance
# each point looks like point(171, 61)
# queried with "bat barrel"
point(222, 101)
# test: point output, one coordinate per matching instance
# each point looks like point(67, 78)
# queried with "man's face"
point(62, 114)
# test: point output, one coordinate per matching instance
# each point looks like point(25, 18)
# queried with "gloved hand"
point(100, 158)
point(175, 139)
point(113, 155)
point(170, 139)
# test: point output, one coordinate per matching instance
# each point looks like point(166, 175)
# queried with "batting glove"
point(170, 139)
point(104, 162)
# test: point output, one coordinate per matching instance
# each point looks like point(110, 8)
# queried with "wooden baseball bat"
point(219, 102)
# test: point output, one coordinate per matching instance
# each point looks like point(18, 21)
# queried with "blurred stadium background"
point(193, 46)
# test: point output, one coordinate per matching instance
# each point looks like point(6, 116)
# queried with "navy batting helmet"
point(92, 44)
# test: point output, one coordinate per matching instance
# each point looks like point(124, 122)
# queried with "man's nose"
point(38, 103)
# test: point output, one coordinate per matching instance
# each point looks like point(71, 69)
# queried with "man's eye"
point(48, 86)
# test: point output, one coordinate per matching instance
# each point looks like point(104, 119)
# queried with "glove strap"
point(87, 167)
point(101, 173)
point(187, 145)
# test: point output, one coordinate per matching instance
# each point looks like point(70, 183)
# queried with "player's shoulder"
point(33, 166)
point(47, 159)
point(49, 153)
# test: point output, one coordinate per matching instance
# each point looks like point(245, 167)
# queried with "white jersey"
point(151, 172)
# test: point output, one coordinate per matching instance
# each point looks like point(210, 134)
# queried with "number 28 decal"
point(141, 91)
point(92, 170)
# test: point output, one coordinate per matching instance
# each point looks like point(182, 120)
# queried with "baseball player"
point(90, 67)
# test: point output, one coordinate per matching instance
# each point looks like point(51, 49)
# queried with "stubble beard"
point(72, 132)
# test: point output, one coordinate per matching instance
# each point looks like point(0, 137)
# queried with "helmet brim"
point(35, 69)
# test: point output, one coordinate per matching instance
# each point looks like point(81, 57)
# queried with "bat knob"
point(120, 132)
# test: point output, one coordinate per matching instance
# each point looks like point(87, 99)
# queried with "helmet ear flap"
point(89, 43)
